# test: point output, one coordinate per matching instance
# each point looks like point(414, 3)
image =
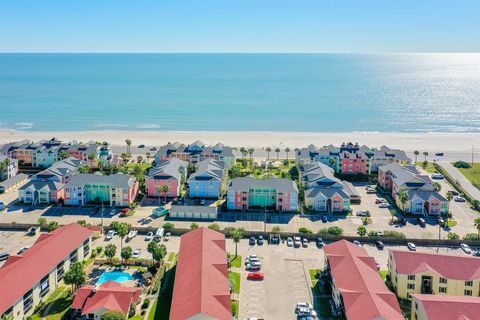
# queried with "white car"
point(251, 260)
point(166, 237)
point(459, 199)
point(112, 212)
point(304, 305)
point(24, 249)
point(289, 241)
point(305, 312)
point(149, 236)
point(136, 253)
point(297, 242)
point(465, 248)
point(438, 176)
point(411, 246)
point(110, 234)
point(362, 213)
point(383, 205)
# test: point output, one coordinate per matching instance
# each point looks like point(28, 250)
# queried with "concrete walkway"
point(460, 178)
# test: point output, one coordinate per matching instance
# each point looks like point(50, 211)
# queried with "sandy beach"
point(431, 142)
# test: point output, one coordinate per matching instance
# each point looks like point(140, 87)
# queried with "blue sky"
point(239, 25)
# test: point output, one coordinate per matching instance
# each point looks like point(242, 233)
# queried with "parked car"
point(439, 154)
point(437, 176)
point(141, 146)
point(305, 312)
point(289, 241)
point(2, 206)
point(324, 219)
point(466, 248)
point(167, 236)
point(379, 244)
point(113, 212)
point(124, 212)
point(274, 239)
point(305, 242)
point(362, 213)
point(202, 202)
point(136, 253)
point(4, 256)
point(459, 199)
point(304, 305)
point(477, 253)
point(384, 205)
point(149, 236)
point(422, 222)
point(33, 231)
point(253, 267)
point(380, 200)
point(23, 249)
point(132, 234)
point(252, 241)
point(357, 243)
point(110, 234)
point(320, 242)
point(255, 276)
point(411, 246)
point(380, 234)
point(297, 242)
point(453, 192)
point(252, 258)
point(260, 240)
point(153, 149)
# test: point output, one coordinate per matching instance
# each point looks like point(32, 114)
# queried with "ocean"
point(241, 92)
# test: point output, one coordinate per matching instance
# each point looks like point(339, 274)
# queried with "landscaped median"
point(321, 296)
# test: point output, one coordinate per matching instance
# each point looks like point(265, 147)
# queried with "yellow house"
point(442, 307)
point(431, 273)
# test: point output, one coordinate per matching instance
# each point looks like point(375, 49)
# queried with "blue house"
point(209, 180)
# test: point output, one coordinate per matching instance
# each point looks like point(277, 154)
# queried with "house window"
point(86, 247)
point(27, 301)
point(60, 271)
point(411, 277)
point(468, 292)
point(442, 289)
point(74, 256)
point(411, 286)
point(44, 286)
point(443, 280)
point(468, 283)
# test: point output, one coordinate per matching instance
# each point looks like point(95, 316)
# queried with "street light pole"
point(102, 214)
point(439, 232)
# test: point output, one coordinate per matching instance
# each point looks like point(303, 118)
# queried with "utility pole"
point(473, 152)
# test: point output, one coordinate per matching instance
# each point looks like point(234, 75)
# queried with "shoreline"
point(431, 142)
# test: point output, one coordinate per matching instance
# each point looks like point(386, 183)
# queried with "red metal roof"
point(21, 273)
point(110, 296)
point(445, 265)
point(201, 279)
point(442, 307)
point(355, 275)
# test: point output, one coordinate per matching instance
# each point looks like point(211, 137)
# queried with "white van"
point(159, 234)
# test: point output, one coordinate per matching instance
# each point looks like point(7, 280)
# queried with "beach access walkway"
point(464, 182)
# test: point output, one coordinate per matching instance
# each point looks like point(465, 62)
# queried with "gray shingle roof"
point(209, 169)
point(245, 183)
point(60, 169)
point(171, 168)
point(43, 183)
point(425, 194)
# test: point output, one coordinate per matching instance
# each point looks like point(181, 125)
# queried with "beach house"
point(275, 194)
point(202, 288)
point(115, 190)
point(31, 277)
point(8, 167)
point(170, 172)
point(328, 155)
point(354, 160)
point(209, 180)
point(195, 152)
point(324, 192)
point(22, 151)
point(358, 290)
point(414, 272)
point(421, 199)
point(384, 155)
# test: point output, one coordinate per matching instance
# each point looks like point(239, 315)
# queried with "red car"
point(255, 276)
point(124, 212)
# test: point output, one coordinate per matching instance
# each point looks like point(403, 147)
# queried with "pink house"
point(171, 172)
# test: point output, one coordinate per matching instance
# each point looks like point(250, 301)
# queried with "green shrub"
point(305, 230)
point(168, 226)
point(462, 164)
point(471, 236)
point(373, 233)
point(453, 236)
point(145, 303)
point(394, 234)
point(335, 230)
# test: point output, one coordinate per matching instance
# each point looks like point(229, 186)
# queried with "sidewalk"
point(458, 176)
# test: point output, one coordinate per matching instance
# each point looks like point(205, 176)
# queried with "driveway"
point(461, 179)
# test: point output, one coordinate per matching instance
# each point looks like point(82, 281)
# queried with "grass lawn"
point(430, 168)
point(384, 273)
point(234, 277)
point(60, 305)
point(136, 317)
point(161, 307)
point(171, 256)
point(313, 273)
point(472, 174)
point(323, 306)
point(236, 262)
point(151, 315)
point(234, 308)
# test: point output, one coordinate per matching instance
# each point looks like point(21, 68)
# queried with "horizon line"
point(239, 52)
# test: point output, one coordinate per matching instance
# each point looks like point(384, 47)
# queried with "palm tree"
point(164, 189)
point(287, 150)
point(476, 223)
point(63, 154)
point(237, 235)
point(416, 153)
point(243, 151)
point(129, 143)
point(110, 251)
point(425, 154)
point(250, 152)
point(122, 229)
point(331, 161)
point(403, 197)
point(277, 150)
point(437, 186)
point(268, 152)
point(148, 156)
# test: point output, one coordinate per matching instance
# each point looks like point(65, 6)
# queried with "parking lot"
point(12, 241)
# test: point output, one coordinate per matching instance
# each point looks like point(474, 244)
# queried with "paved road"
point(467, 185)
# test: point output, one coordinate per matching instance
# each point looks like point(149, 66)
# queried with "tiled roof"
point(365, 295)
point(110, 296)
point(201, 280)
point(445, 265)
point(443, 307)
point(21, 273)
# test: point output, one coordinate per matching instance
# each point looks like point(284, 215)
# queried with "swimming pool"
point(117, 276)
